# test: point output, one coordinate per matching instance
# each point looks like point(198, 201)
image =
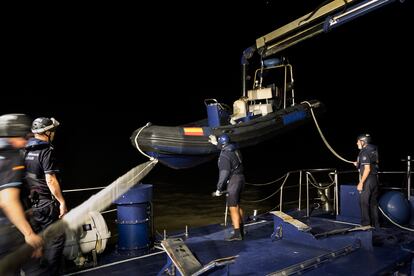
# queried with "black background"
point(105, 70)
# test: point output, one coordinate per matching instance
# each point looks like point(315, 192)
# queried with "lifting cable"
point(323, 137)
point(393, 222)
point(337, 155)
point(326, 144)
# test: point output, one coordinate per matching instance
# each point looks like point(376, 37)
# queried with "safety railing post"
point(307, 195)
point(300, 191)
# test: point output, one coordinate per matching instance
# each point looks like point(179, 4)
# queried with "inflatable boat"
point(187, 146)
point(260, 114)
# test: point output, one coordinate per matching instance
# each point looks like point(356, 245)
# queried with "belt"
point(50, 197)
point(36, 196)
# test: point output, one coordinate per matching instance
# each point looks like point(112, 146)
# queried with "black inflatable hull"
point(187, 146)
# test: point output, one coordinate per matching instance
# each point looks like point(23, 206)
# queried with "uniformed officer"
point(367, 164)
point(48, 204)
point(231, 178)
point(13, 131)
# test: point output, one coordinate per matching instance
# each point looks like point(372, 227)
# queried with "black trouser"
point(369, 202)
point(44, 214)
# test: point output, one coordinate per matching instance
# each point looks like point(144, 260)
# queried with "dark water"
point(183, 198)
point(175, 206)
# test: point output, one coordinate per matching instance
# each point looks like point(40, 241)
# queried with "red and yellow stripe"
point(193, 131)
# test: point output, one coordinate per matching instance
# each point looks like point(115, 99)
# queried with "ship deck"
point(277, 247)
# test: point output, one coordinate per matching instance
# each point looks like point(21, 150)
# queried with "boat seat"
point(258, 101)
point(217, 113)
point(185, 262)
point(260, 109)
point(259, 94)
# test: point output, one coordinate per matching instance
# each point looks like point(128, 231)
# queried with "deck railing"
point(322, 187)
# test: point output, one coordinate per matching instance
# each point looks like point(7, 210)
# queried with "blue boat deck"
point(273, 246)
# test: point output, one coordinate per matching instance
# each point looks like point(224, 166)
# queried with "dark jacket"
point(368, 156)
point(40, 160)
point(229, 164)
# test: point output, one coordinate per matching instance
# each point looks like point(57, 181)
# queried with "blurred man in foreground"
point(13, 132)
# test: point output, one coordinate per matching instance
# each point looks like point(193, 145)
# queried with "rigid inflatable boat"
point(262, 113)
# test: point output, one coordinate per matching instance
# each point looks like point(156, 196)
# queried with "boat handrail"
point(286, 184)
point(379, 172)
point(310, 182)
point(262, 184)
point(104, 211)
point(83, 189)
point(319, 170)
point(286, 87)
point(214, 101)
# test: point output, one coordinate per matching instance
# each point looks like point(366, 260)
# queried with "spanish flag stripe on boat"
point(193, 131)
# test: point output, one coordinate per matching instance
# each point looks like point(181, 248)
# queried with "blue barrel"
point(134, 221)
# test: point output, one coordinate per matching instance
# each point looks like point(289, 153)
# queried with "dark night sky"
point(104, 71)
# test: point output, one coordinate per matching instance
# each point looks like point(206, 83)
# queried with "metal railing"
point(325, 184)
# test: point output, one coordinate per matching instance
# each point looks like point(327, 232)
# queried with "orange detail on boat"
point(193, 131)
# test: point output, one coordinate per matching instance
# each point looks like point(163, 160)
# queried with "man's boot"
point(242, 231)
point(236, 236)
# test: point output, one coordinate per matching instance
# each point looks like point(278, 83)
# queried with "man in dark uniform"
point(231, 178)
point(48, 204)
point(13, 131)
point(367, 164)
